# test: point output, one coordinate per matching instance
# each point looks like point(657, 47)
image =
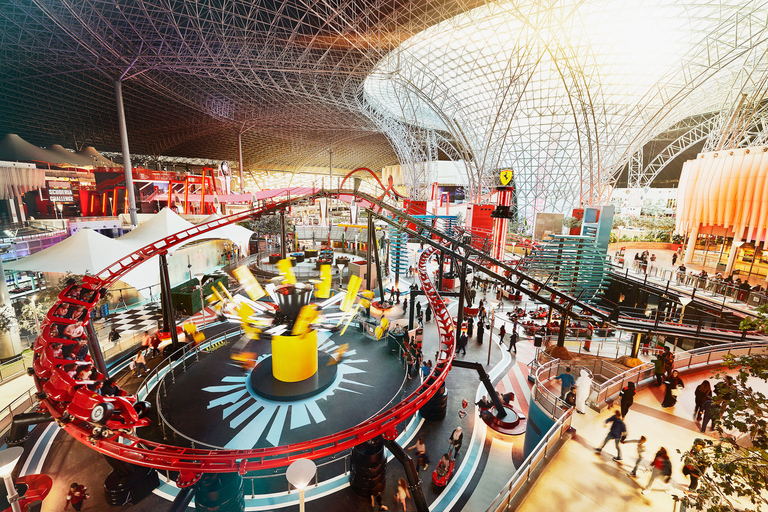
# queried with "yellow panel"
point(294, 358)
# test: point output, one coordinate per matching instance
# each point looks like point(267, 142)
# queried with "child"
point(76, 496)
point(640, 451)
point(402, 492)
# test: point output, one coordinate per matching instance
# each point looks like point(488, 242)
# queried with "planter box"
point(274, 258)
point(187, 293)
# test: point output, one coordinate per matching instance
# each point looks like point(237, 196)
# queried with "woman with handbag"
point(675, 386)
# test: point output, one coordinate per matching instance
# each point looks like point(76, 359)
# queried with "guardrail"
point(696, 358)
point(158, 377)
point(599, 395)
point(715, 288)
point(539, 455)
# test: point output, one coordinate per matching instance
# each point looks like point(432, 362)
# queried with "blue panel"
point(539, 423)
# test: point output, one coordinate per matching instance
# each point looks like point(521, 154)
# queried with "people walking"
point(693, 467)
point(661, 466)
point(480, 332)
point(658, 370)
point(674, 388)
point(583, 388)
point(640, 452)
point(513, 342)
point(502, 333)
point(421, 452)
point(461, 346)
point(566, 381)
point(618, 430)
point(428, 313)
point(702, 393)
point(470, 327)
point(455, 441)
point(402, 492)
point(627, 398)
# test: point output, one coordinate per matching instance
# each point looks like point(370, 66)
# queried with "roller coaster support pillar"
point(486, 380)
point(282, 234)
point(375, 248)
point(95, 350)
point(369, 245)
point(412, 309)
point(440, 259)
point(182, 500)
point(411, 474)
point(462, 293)
point(169, 322)
point(128, 482)
point(563, 328)
point(20, 426)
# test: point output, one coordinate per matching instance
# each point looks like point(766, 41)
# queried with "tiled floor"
point(578, 479)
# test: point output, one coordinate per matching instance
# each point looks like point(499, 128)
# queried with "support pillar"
point(735, 246)
point(369, 247)
point(636, 339)
point(282, 234)
point(462, 293)
point(10, 341)
point(499, 240)
point(95, 350)
point(167, 302)
point(375, 247)
point(128, 482)
point(692, 237)
point(126, 153)
point(368, 468)
point(240, 159)
point(440, 260)
point(411, 474)
point(563, 328)
point(220, 492)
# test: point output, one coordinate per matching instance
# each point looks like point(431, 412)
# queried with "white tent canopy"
point(85, 252)
point(161, 225)
point(237, 234)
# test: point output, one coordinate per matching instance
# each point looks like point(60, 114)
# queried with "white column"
point(688, 256)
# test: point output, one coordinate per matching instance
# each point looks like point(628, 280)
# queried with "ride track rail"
point(190, 462)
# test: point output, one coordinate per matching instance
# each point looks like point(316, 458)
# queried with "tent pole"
point(126, 153)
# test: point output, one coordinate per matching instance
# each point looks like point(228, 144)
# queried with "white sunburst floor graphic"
point(250, 414)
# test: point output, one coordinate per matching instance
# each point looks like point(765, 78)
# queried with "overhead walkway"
point(665, 282)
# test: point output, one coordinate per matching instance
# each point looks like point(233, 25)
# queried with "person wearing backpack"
point(661, 466)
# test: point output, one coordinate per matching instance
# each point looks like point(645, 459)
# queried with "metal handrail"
point(161, 371)
point(699, 357)
point(534, 459)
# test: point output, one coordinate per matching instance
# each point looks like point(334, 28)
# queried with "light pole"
point(8, 459)
point(299, 474)
point(199, 278)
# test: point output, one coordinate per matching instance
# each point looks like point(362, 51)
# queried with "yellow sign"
point(506, 176)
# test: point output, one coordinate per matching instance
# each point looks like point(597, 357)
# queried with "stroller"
point(441, 474)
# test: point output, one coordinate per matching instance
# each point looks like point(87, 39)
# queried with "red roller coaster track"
point(190, 462)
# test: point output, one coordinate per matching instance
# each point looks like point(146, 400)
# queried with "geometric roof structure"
point(561, 92)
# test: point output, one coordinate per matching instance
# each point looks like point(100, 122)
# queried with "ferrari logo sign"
point(506, 176)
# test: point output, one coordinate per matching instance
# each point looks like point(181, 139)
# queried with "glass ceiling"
point(564, 92)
